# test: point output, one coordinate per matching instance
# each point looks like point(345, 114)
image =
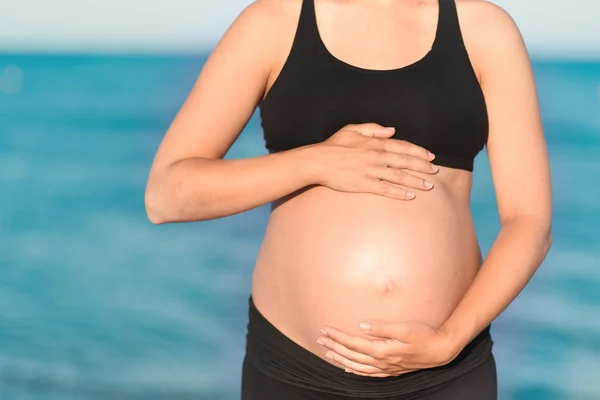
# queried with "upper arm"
point(516, 146)
point(228, 89)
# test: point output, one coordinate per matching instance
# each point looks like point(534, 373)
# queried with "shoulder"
point(488, 31)
point(484, 17)
point(260, 31)
point(270, 15)
point(263, 27)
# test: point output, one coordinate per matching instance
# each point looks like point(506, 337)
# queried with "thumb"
point(383, 133)
point(388, 330)
point(374, 130)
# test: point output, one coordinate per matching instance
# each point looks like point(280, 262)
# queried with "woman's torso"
point(334, 259)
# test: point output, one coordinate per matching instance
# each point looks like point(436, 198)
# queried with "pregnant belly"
point(335, 259)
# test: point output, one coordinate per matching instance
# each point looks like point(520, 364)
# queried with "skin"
point(350, 241)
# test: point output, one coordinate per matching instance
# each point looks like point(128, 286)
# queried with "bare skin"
point(332, 259)
point(342, 245)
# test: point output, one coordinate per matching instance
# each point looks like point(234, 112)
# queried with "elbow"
point(165, 201)
point(540, 228)
point(548, 241)
point(154, 211)
point(162, 207)
point(157, 202)
point(546, 238)
point(154, 217)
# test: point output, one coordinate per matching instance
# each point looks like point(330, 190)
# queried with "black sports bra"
point(435, 102)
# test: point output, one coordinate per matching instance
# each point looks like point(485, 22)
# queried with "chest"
point(440, 109)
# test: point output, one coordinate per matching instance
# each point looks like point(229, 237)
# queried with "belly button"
point(385, 286)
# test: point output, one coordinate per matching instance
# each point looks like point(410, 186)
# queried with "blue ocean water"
point(97, 303)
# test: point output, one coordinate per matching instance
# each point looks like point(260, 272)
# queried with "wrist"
point(456, 337)
point(310, 166)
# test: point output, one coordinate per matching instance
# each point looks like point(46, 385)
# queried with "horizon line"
point(204, 51)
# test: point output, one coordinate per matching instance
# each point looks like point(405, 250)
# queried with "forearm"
point(200, 189)
point(520, 248)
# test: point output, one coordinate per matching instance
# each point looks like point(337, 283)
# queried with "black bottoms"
point(276, 368)
point(478, 384)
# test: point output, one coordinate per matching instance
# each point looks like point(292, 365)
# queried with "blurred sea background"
point(97, 303)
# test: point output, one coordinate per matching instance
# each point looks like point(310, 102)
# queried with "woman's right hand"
point(363, 159)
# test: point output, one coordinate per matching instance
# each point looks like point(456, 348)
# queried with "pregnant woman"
point(369, 283)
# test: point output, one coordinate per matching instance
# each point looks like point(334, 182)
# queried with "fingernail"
point(320, 342)
point(365, 326)
point(348, 370)
point(329, 355)
point(431, 155)
point(390, 128)
point(323, 332)
point(428, 184)
point(434, 167)
point(410, 195)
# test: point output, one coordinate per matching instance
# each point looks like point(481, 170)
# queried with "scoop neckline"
point(377, 71)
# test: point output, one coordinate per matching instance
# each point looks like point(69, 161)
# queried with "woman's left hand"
point(394, 349)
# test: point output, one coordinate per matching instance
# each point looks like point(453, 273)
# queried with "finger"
point(392, 330)
point(372, 129)
point(346, 352)
point(384, 375)
point(383, 133)
point(414, 366)
point(406, 161)
point(400, 177)
point(387, 189)
point(370, 347)
point(349, 364)
point(368, 375)
point(403, 146)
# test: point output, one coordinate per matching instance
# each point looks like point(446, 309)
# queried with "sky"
point(567, 28)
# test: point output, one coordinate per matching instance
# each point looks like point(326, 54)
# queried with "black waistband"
point(277, 356)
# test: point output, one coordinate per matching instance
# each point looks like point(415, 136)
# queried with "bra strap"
point(307, 36)
point(449, 37)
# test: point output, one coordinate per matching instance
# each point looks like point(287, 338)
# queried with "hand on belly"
point(392, 348)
